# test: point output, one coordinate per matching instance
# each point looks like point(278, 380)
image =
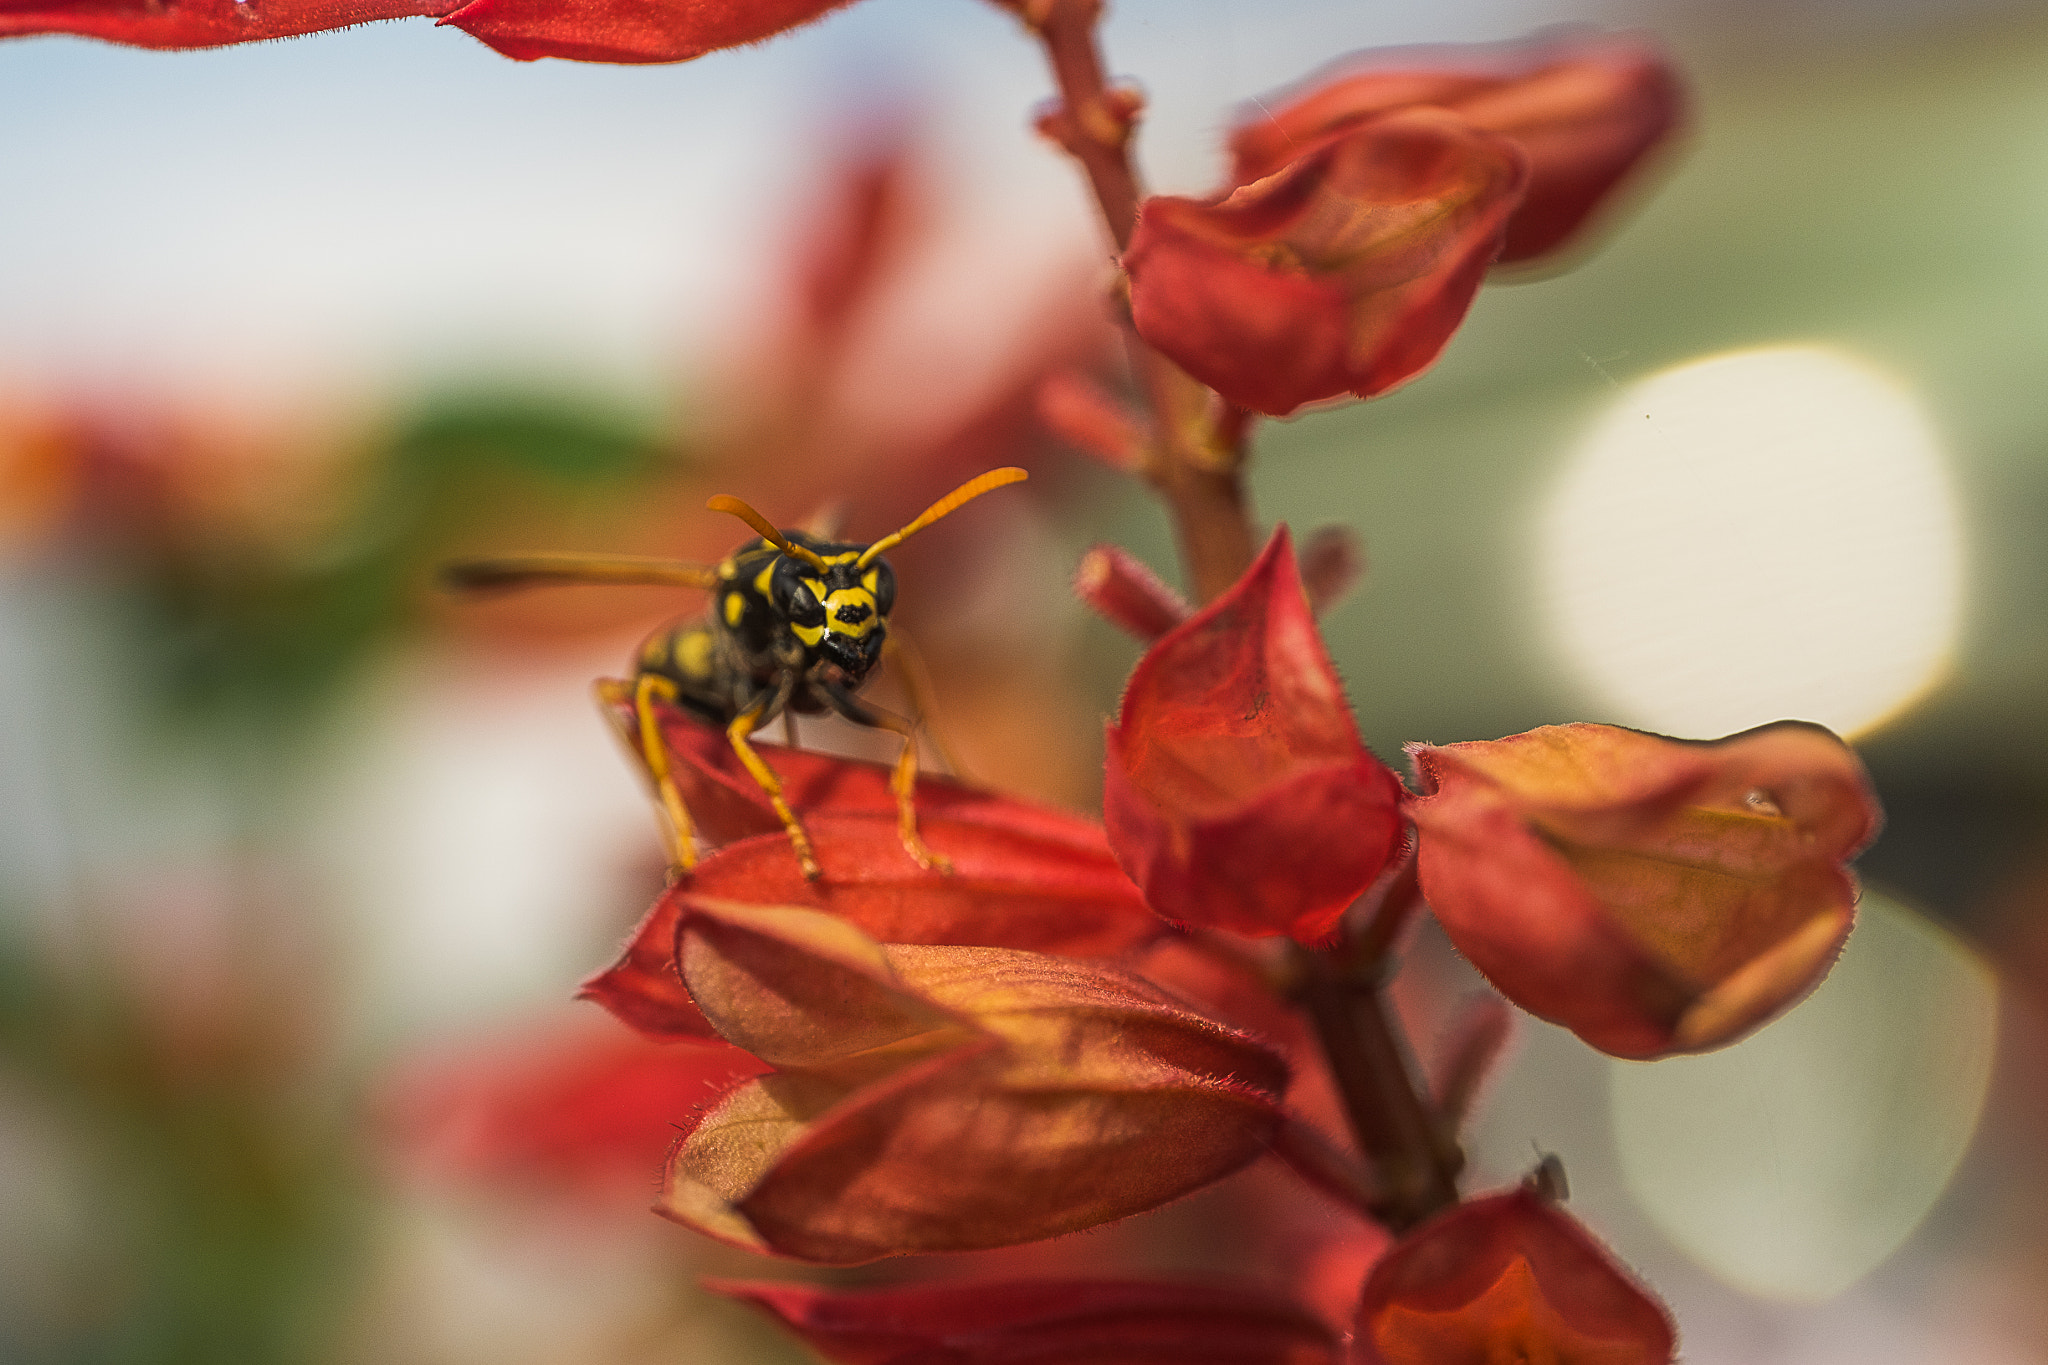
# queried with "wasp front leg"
point(765, 709)
point(645, 737)
point(903, 782)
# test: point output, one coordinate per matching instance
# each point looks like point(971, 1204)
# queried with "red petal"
point(629, 30)
point(1345, 272)
point(643, 988)
point(1651, 895)
point(1074, 1322)
point(1238, 794)
point(1508, 1277)
point(203, 23)
point(727, 804)
point(1586, 112)
point(1047, 885)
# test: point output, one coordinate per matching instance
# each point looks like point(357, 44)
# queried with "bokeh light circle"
point(1754, 536)
point(1795, 1162)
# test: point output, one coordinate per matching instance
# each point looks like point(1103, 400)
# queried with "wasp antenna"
point(946, 506)
point(725, 502)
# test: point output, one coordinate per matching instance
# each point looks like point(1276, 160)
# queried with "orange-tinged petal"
point(1507, 1278)
point(943, 1098)
point(1238, 794)
point(1586, 111)
point(1344, 272)
point(1031, 1322)
point(802, 989)
point(1652, 895)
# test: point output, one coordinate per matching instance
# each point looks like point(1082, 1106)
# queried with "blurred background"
point(300, 863)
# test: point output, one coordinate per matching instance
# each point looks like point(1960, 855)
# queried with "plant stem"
point(1196, 463)
point(1196, 459)
point(1416, 1162)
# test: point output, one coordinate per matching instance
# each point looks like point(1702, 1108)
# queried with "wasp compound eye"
point(794, 598)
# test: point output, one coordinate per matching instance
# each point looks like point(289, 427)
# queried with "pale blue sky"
point(395, 200)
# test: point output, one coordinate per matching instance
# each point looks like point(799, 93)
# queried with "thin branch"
point(1199, 446)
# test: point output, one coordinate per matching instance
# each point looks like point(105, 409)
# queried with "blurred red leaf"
point(1507, 1277)
point(1652, 895)
point(1344, 272)
point(578, 1108)
point(1585, 110)
point(1031, 1322)
point(1238, 794)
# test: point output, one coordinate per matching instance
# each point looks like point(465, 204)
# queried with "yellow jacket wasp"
point(798, 622)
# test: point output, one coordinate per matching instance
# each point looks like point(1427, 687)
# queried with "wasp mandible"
point(798, 623)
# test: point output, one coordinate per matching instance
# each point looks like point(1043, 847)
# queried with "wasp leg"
point(743, 725)
point(644, 737)
point(904, 781)
point(917, 687)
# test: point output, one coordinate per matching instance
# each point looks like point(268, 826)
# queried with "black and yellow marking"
point(798, 622)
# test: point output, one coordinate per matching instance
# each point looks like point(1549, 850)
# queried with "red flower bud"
point(1586, 112)
point(1238, 795)
point(1031, 1322)
point(1346, 271)
point(1652, 895)
point(946, 1098)
point(1508, 1277)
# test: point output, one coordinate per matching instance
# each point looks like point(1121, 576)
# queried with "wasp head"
point(838, 610)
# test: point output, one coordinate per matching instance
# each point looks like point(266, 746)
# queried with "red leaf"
point(1507, 1277)
point(202, 23)
point(584, 30)
point(1652, 895)
point(1030, 1322)
point(1346, 271)
point(1585, 111)
point(1238, 795)
point(629, 30)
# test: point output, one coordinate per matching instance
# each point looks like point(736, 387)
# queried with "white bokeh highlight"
point(1797, 1161)
point(1755, 536)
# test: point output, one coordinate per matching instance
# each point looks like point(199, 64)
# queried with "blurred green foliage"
point(225, 636)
